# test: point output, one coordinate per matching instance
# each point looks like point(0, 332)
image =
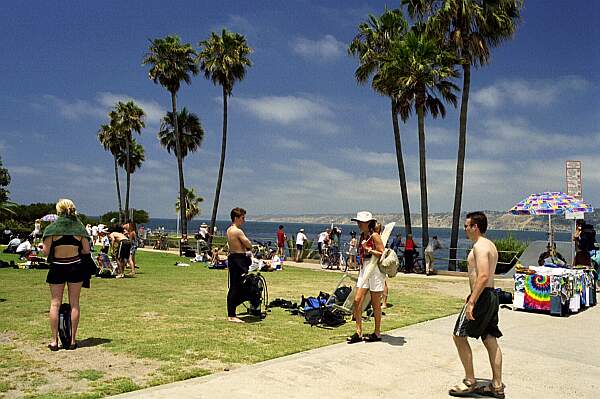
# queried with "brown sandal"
point(458, 391)
point(491, 391)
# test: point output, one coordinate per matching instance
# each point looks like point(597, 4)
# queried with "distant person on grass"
point(65, 243)
point(122, 249)
point(238, 261)
point(281, 239)
point(479, 316)
point(433, 246)
point(300, 240)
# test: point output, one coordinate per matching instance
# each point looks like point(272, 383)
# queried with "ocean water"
point(266, 231)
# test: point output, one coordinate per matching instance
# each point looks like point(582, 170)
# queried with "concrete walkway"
point(544, 356)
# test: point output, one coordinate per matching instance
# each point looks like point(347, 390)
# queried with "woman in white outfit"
point(370, 244)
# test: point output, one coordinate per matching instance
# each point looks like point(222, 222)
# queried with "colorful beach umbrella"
point(51, 217)
point(550, 203)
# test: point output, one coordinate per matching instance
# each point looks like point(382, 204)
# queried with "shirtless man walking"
point(479, 316)
point(237, 261)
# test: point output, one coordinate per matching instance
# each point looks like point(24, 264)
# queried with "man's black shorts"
point(485, 314)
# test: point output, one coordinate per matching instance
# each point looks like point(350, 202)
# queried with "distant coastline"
point(497, 220)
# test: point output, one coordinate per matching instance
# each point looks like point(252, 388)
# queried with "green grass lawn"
point(174, 317)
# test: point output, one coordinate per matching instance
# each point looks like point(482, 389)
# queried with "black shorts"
point(299, 247)
point(485, 313)
point(124, 250)
point(320, 247)
point(71, 273)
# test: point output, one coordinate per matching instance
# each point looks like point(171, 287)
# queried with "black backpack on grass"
point(64, 324)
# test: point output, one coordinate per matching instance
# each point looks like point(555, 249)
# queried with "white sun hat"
point(363, 216)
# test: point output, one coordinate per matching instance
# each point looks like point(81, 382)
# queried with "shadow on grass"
point(394, 341)
point(248, 318)
point(89, 342)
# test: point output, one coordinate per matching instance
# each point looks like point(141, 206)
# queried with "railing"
point(512, 260)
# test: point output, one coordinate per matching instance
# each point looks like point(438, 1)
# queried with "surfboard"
point(385, 236)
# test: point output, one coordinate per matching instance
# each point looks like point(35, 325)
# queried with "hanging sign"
point(574, 180)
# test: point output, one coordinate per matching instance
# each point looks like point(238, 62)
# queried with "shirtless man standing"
point(237, 261)
point(479, 316)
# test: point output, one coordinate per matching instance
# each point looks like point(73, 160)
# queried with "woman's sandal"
point(354, 338)
point(459, 391)
point(53, 348)
point(491, 391)
point(372, 338)
point(72, 347)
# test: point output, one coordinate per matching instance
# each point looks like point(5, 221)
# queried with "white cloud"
point(369, 157)
point(101, 105)
point(500, 137)
point(310, 113)
point(289, 144)
point(537, 93)
point(23, 170)
point(236, 23)
point(326, 48)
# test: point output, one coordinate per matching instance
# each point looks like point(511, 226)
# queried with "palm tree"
point(111, 141)
point(171, 63)
point(471, 28)
point(420, 68)
point(190, 130)
point(191, 202)
point(137, 156)
point(373, 40)
point(127, 118)
point(223, 59)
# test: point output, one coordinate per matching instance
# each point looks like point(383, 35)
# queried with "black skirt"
point(70, 273)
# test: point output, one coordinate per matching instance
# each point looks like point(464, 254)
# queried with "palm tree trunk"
point(213, 218)
point(460, 165)
point(182, 205)
point(423, 176)
point(128, 171)
point(401, 172)
point(118, 189)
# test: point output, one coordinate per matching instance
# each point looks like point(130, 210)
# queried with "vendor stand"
point(556, 290)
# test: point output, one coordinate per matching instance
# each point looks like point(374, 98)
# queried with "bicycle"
point(331, 258)
point(418, 264)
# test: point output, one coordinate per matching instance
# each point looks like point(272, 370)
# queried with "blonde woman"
point(65, 243)
point(370, 244)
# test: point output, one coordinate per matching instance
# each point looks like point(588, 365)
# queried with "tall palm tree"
point(471, 28)
point(373, 40)
point(190, 130)
point(420, 68)
point(191, 202)
point(223, 59)
point(111, 141)
point(172, 62)
point(137, 156)
point(127, 118)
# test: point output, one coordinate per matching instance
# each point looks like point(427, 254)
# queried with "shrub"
point(509, 249)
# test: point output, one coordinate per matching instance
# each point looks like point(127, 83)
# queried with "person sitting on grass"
point(218, 256)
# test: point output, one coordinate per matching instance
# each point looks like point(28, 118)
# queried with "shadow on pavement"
point(394, 341)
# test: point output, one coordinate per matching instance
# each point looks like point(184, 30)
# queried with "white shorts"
point(375, 283)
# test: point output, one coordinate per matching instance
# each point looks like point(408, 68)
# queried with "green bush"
point(509, 249)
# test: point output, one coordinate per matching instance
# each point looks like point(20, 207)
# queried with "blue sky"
point(303, 136)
